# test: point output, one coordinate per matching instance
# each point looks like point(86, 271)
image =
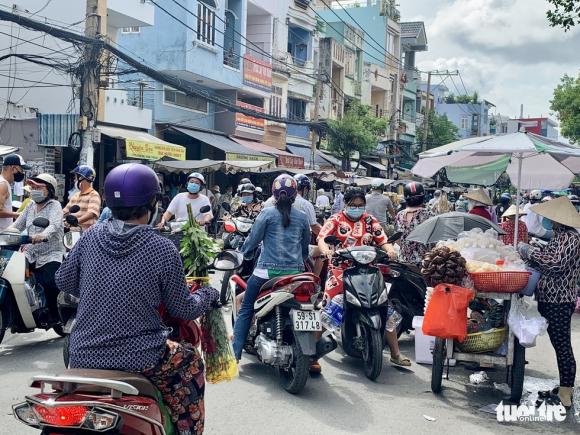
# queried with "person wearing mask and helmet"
point(178, 206)
point(13, 167)
point(504, 203)
point(87, 198)
point(259, 194)
point(249, 206)
point(122, 271)
point(46, 252)
point(533, 220)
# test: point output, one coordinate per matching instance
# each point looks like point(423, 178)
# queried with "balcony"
point(338, 53)
point(232, 60)
point(281, 61)
point(130, 13)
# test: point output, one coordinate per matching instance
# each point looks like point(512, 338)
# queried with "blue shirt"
point(283, 248)
point(105, 214)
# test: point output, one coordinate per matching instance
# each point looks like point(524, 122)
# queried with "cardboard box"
point(424, 344)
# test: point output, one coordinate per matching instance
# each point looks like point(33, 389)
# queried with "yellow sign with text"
point(236, 156)
point(140, 149)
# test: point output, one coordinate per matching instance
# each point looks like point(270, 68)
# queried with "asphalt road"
point(341, 401)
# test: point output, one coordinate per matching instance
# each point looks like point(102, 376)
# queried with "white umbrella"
point(530, 160)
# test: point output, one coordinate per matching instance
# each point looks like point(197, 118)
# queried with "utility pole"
point(315, 135)
point(95, 27)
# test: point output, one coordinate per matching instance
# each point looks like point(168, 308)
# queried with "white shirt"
point(533, 221)
point(301, 204)
point(178, 206)
point(322, 201)
point(7, 206)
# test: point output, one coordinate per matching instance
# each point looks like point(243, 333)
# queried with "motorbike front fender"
point(370, 318)
point(306, 341)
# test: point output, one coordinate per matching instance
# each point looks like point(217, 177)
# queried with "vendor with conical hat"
point(477, 202)
point(559, 263)
point(508, 224)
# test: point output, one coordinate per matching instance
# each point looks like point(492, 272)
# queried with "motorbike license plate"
point(306, 320)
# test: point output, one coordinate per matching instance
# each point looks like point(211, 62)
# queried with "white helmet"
point(197, 176)
point(547, 198)
point(536, 195)
point(377, 184)
point(45, 179)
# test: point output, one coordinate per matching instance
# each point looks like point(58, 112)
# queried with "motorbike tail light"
point(26, 414)
point(303, 292)
point(385, 270)
point(100, 420)
point(229, 227)
point(61, 415)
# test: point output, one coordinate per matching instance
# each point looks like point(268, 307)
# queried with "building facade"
point(541, 126)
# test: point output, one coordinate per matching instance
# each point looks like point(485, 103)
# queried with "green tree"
point(450, 99)
point(358, 130)
point(566, 104)
point(464, 99)
point(565, 13)
point(441, 131)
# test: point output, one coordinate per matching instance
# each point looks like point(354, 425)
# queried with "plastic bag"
point(446, 314)
point(524, 326)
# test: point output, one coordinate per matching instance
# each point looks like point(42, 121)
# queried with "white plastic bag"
point(524, 326)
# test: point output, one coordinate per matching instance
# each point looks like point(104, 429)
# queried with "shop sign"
point(257, 73)
point(249, 157)
point(243, 120)
point(139, 149)
point(295, 162)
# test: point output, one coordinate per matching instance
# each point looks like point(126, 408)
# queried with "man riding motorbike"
point(87, 198)
point(122, 271)
point(354, 227)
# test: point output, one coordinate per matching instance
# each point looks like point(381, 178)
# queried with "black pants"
point(45, 277)
point(559, 317)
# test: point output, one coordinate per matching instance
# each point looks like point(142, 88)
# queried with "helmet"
point(197, 176)
point(303, 181)
point(377, 184)
point(573, 199)
point(45, 179)
point(414, 193)
point(505, 197)
point(131, 185)
point(245, 181)
point(85, 172)
point(547, 198)
point(284, 184)
point(247, 188)
point(354, 192)
point(259, 190)
point(437, 193)
point(536, 195)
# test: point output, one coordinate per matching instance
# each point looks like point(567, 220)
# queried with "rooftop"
point(414, 36)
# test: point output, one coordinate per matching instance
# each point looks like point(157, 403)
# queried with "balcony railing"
point(338, 53)
point(409, 117)
point(232, 60)
point(302, 4)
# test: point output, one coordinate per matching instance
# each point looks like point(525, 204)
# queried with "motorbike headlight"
point(352, 299)
point(383, 297)
point(364, 257)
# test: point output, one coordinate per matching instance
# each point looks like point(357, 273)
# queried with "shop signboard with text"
point(257, 73)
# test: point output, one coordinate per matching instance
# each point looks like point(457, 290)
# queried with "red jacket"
point(480, 211)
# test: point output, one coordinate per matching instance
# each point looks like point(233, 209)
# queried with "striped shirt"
point(89, 201)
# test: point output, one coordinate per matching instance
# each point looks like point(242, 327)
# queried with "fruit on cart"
point(443, 265)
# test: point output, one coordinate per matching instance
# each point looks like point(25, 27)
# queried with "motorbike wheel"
point(225, 295)
point(346, 341)
point(373, 352)
point(59, 329)
point(517, 372)
point(65, 352)
point(439, 352)
point(294, 379)
point(3, 323)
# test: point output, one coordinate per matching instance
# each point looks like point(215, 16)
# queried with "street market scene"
point(289, 217)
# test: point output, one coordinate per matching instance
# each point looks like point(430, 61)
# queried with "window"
point(276, 101)
point(206, 22)
point(349, 63)
point(464, 123)
point(189, 102)
point(132, 29)
point(296, 109)
point(231, 58)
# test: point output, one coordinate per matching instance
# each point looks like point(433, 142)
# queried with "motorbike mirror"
point(228, 260)
point(226, 206)
point(331, 240)
point(395, 237)
point(205, 209)
point(73, 221)
point(41, 222)
point(74, 209)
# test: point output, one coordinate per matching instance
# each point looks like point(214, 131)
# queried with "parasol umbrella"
point(449, 226)
point(531, 161)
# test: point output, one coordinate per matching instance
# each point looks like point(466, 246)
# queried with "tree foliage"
point(462, 99)
point(566, 104)
point(441, 131)
point(358, 130)
point(564, 13)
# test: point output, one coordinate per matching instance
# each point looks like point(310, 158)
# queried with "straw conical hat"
point(479, 195)
point(559, 210)
point(511, 211)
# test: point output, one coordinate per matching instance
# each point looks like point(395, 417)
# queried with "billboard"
point(257, 73)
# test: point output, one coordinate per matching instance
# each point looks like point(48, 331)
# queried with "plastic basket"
point(503, 282)
point(480, 342)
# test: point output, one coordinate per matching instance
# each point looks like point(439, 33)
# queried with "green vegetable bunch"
point(197, 249)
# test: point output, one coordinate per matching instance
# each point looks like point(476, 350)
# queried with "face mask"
point(547, 224)
point(78, 184)
point(193, 187)
point(18, 177)
point(354, 212)
point(247, 199)
point(38, 196)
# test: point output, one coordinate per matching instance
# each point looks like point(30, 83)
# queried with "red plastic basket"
point(503, 282)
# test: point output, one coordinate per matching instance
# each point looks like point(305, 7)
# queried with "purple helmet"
point(131, 185)
point(284, 184)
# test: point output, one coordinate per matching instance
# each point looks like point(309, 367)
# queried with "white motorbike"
point(23, 305)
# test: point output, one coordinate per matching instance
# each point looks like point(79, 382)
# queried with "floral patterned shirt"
point(366, 231)
point(510, 228)
point(412, 252)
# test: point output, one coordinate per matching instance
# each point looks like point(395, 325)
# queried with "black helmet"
point(353, 193)
point(303, 182)
point(414, 193)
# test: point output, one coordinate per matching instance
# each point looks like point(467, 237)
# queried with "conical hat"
point(559, 210)
point(479, 195)
point(511, 211)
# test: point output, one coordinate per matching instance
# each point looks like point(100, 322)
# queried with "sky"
point(504, 49)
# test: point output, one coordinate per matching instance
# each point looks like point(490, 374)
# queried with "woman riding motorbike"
point(250, 207)
point(354, 227)
point(46, 252)
point(285, 234)
point(123, 270)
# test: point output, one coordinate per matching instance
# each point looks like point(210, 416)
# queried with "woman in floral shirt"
point(408, 219)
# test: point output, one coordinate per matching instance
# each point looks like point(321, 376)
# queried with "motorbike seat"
point(144, 385)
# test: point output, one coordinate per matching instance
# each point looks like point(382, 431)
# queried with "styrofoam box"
point(424, 344)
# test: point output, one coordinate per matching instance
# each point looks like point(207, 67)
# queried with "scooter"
point(22, 301)
point(84, 402)
point(71, 238)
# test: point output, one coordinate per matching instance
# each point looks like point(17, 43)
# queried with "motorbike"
point(81, 402)
point(71, 237)
point(22, 301)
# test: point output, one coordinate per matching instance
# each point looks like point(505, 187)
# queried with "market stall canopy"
point(141, 145)
point(363, 181)
point(233, 150)
point(7, 149)
point(320, 158)
point(285, 158)
point(228, 166)
point(376, 165)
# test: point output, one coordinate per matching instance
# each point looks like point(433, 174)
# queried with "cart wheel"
point(439, 351)
point(518, 368)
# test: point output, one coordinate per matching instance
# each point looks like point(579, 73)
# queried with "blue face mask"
point(193, 187)
point(247, 199)
point(547, 224)
point(354, 212)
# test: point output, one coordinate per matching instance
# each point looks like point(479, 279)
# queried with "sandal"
point(401, 360)
point(315, 368)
